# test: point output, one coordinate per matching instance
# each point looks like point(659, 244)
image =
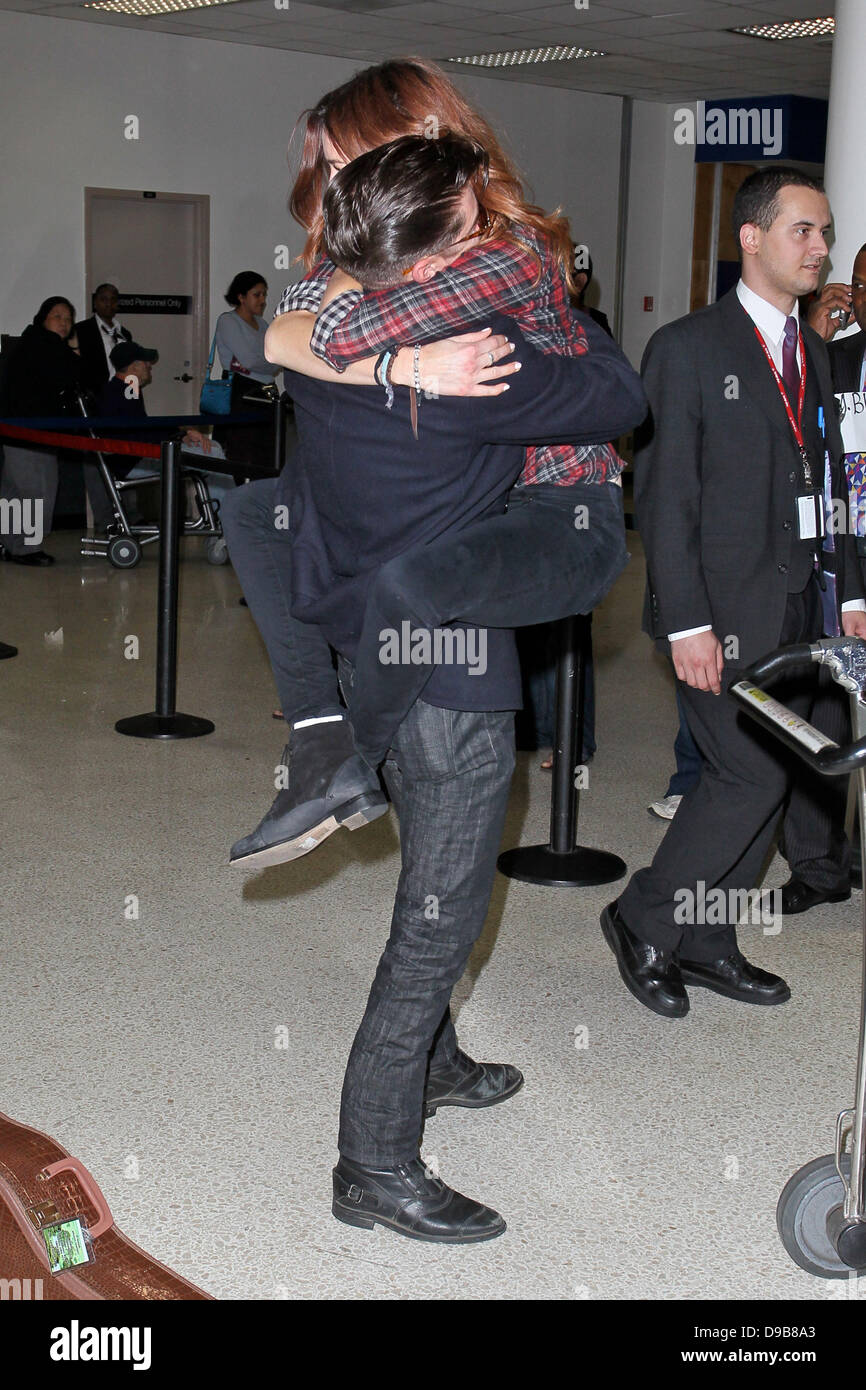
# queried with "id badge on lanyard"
point(810, 504)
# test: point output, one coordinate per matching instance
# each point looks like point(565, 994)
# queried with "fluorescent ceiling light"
point(151, 7)
point(518, 56)
point(791, 29)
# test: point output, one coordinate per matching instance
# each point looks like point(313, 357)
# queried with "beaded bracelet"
point(415, 398)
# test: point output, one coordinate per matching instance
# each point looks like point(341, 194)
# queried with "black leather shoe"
point(736, 978)
point(797, 896)
point(329, 786)
point(473, 1085)
point(410, 1200)
point(6, 651)
point(651, 975)
point(30, 557)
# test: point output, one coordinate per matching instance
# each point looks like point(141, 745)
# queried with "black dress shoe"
point(474, 1085)
point(736, 978)
point(409, 1200)
point(797, 896)
point(6, 651)
point(329, 785)
point(651, 975)
point(30, 557)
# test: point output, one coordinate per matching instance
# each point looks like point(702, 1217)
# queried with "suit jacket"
point(716, 477)
point(846, 358)
point(96, 371)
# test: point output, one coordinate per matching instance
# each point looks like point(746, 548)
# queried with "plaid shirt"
point(498, 274)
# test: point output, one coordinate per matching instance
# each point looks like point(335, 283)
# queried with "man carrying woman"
point(364, 491)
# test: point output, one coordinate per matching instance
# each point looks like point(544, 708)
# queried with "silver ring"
point(490, 355)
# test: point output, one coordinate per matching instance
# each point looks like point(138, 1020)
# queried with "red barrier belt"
point(74, 441)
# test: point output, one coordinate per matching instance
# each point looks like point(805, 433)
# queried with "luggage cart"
point(123, 544)
point(821, 1213)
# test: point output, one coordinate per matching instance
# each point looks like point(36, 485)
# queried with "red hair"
point(410, 96)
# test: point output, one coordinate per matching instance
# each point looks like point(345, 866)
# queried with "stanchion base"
point(164, 726)
point(580, 868)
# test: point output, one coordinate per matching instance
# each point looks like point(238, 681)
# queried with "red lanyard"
point(796, 425)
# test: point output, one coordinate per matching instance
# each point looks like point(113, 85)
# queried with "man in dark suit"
point(98, 335)
point(729, 478)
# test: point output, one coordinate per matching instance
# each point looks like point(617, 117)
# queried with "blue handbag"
point(216, 396)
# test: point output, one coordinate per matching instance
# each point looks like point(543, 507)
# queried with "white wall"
point(215, 118)
point(658, 257)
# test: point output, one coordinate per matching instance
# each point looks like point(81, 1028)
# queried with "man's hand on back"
point(698, 661)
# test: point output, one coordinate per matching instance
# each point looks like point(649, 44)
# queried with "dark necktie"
point(790, 370)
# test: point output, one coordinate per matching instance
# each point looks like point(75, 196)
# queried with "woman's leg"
point(262, 557)
point(556, 551)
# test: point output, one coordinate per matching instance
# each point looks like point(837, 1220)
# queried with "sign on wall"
point(155, 304)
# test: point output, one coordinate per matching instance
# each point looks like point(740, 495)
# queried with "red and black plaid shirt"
point(494, 274)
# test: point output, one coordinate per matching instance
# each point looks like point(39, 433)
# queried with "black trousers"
point(556, 551)
point(723, 830)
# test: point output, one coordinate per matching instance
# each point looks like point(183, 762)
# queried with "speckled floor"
point(192, 1055)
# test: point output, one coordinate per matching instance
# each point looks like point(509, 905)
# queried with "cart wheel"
point(217, 551)
point(124, 552)
point(801, 1216)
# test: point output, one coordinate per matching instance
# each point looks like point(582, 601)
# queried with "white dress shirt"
point(111, 336)
point(770, 323)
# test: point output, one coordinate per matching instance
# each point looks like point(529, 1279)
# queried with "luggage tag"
point(810, 516)
point(68, 1244)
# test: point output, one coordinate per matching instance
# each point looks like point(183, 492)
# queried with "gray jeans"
point(261, 554)
point(449, 773)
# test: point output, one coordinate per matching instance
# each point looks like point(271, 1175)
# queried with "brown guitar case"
point(41, 1184)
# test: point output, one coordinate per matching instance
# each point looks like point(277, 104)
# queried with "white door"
point(155, 248)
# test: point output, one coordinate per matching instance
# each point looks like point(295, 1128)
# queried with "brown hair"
point(399, 202)
point(757, 198)
point(409, 96)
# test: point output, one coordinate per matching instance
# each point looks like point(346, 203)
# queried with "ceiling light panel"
point(518, 56)
point(791, 29)
point(143, 8)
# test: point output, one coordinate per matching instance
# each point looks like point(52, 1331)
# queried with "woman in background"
point(42, 374)
point(240, 338)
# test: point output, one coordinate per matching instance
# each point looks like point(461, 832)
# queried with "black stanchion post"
point(164, 721)
point(562, 863)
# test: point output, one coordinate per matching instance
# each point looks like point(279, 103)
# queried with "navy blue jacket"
point(363, 489)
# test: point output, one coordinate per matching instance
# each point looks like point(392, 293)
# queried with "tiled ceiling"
point(658, 50)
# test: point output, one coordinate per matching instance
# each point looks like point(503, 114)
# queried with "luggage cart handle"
point(846, 658)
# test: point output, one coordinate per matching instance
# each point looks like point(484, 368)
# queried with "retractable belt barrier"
point(164, 722)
